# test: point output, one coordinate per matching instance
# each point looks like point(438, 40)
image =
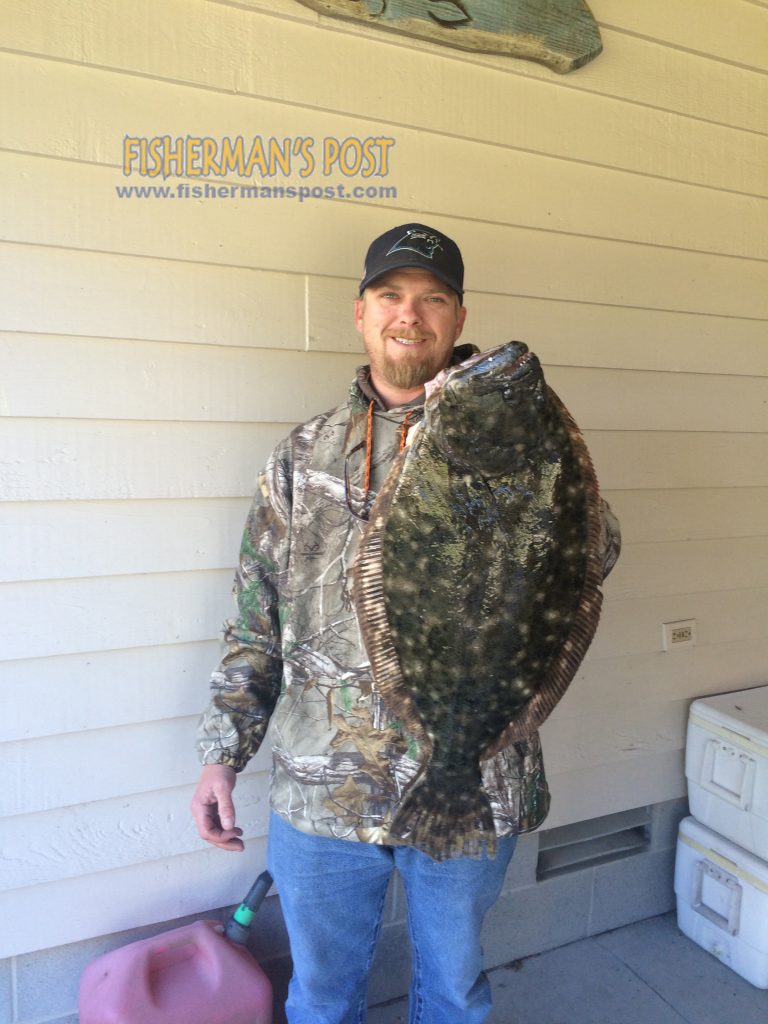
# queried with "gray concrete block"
point(48, 981)
point(522, 868)
point(541, 917)
point(696, 983)
point(6, 989)
point(666, 818)
point(631, 889)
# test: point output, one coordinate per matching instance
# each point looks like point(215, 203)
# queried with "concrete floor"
point(644, 973)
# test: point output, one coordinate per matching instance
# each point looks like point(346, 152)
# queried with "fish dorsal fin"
point(368, 591)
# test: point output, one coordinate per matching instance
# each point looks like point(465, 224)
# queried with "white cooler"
point(722, 900)
point(726, 764)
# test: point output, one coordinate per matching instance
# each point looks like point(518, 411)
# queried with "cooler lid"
point(744, 712)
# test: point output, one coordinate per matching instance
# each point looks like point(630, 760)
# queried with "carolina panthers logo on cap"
point(422, 242)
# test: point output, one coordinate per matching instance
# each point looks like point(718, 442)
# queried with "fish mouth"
point(490, 370)
point(521, 367)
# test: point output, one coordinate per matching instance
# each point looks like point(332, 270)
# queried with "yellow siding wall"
point(154, 350)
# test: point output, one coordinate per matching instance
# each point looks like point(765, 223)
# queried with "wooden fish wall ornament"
point(562, 34)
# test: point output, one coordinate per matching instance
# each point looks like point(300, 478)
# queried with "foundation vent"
point(586, 844)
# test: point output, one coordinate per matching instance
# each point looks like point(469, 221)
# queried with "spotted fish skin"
point(477, 584)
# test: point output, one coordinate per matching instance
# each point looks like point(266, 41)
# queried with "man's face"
point(409, 321)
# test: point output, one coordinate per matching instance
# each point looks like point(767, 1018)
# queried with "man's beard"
point(406, 373)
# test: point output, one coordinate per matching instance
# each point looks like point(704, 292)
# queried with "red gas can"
point(191, 975)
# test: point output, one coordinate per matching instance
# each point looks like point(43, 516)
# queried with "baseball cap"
point(415, 245)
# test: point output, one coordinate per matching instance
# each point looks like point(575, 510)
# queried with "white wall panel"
point(109, 295)
point(627, 681)
point(639, 400)
point(100, 689)
point(152, 381)
point(51, 460)
point(74, 206)
point(130, 897)
point(572, 333)
point(59, 539)
point(690, 567)
point(632, 627)
point(674, 515)
point(54, 540)
point(736, 34)
point(203, 460)
point(610, 737)
point(106, 834)
point(566, 196)
point(215, 45)
point(65, 771)
point(49, 618)
point(595, 790)
point(658, 459)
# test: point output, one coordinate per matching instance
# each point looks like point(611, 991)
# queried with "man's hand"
point(213, 809)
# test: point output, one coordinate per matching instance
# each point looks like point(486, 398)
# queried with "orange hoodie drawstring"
point(404, 430)
point(369, 444)
point(405, 425)
point(368, 450)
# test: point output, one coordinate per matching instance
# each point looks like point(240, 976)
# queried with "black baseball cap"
point(415, 245)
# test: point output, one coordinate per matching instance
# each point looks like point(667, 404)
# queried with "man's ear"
point(359, 313)
point(460, 322)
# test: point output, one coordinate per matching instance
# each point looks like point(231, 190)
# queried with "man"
point(341, 761)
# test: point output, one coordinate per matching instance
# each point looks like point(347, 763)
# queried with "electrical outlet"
point(678, 634)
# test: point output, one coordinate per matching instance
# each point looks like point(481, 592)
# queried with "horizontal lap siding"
point(140, 381)
point(228, 48)
point(561, 195)
point(575, 332)
point(152, 353)
point(112, 832)
point(48, 460)
point(101, 689)
point(111, 295)
point(52, 775)
point(77, 209)
point(114, 900)
point(55, 540)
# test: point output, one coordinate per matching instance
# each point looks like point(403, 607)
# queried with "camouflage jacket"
point(295, 655)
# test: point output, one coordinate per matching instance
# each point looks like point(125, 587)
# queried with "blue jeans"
point(332, 894)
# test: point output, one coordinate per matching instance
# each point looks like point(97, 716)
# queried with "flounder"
point(477, 583)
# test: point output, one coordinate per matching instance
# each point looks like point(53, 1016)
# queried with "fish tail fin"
point(446, 821)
